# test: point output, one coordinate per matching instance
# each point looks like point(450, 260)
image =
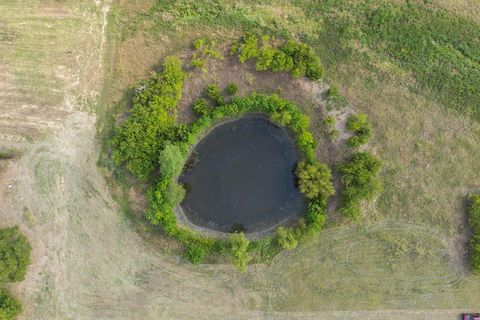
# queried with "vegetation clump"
point(362, 129)
point(297, 58)
point(137, 142)
point(473, 213)
point(314, 180)
point(14, 260)
point(204, 48)
point(360, 182)
point(239, 251)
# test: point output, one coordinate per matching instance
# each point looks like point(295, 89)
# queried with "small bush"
point(10, 308)
point(247, 47)
point(473, 215)
point(201, 107)
point(360, 181)
point(316, 216)
point(14, 255)
point(195, 253)
point(286, 238)
point(473, 212)
point(213, 92)
point(239, 251)
point(314, 180)
point(361, 127)
point(232, 89)
point(283, 118)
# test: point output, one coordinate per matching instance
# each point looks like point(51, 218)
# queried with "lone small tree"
point(314, 180)
point(239, 251)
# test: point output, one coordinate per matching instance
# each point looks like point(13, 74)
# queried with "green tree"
point(314, 180)
point(10, 308)
point(137, 141)
point(286, 238)
point(239, 251)
point(171, 161)
point(360, 182)
point(14, 255)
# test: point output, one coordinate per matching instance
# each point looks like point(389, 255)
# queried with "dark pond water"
point(240, 177)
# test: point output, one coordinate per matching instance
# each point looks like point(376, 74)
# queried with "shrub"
point(473, 212)
point(361, 127)
point(137, 141)
point(283, 117)
point(475, 252)
point(360, 181)
point(247, 47)
point(10, 308)
point(314, 180)
point(286, 238)
point(316, 216)
point(213, 92)
point(195, 253)
point(201, 107)
point(171, 161)
point(14, 255)
point(305, 61)
point(232, 89)
point(239, 251)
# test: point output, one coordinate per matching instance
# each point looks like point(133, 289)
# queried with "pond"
point(240, 177)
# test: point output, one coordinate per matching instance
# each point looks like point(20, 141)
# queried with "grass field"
point(64, 66)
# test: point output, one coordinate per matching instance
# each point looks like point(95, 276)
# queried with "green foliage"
point(305, 61)
point(171, 161)
point(137, 141)
point(247, 47)
point(283, 117)
point(292, 56)
point(201, 107)
point(316, 218)
point(314, 180)
point(286, 238)
point(232, 89)
point(473, 212)
point(361, 127)
point(214, 93)
point(195, 253)
point(360, 181)
point(204, 48)
point(473, 215)
point(239, 251)
point(9, 306)
point(14, 255)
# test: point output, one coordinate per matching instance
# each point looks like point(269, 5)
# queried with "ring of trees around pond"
point(154, 146)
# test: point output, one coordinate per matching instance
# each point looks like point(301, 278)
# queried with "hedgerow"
point(291, 56)
point(473, 213)
point(360, 182)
